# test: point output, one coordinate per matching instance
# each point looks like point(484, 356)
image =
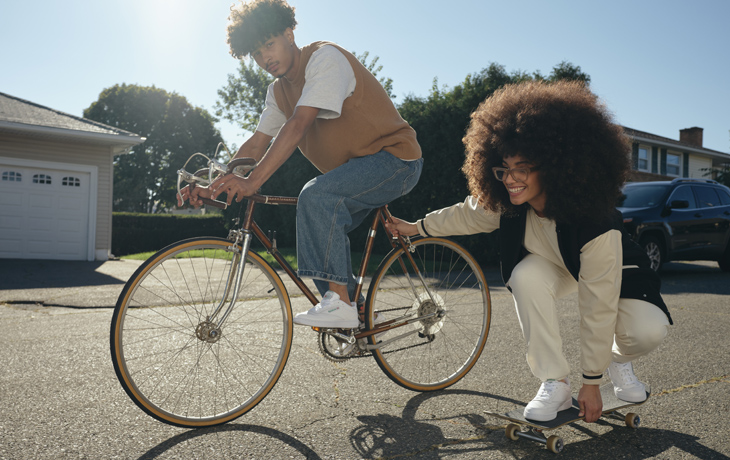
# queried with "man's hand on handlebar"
point(193, 194)
point(233, 186)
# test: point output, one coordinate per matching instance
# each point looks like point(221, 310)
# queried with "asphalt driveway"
point(64, 400)
point(63, 283)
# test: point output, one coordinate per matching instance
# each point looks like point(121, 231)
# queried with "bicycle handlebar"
point(215, 169)
point(214, 203)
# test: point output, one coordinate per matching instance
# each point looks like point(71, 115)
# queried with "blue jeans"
point(333, 204)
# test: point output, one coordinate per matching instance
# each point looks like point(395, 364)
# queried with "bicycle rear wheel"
point(437, 351)
point(174, 363)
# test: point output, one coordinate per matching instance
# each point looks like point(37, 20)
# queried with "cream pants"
point(537, 283)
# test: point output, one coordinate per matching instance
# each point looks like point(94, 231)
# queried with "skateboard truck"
point(553, 443)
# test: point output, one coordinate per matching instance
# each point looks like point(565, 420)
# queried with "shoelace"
point(626, 374)
point(547, 389)
point(324, 303)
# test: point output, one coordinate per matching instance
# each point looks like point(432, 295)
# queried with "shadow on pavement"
point(388, 436)
point(34, 274)
point(231, 441)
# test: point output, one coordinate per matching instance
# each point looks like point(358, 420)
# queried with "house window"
point(673, 164)
point(71, 182)
point(12, 176)
point(41, 179)
point(643, 159)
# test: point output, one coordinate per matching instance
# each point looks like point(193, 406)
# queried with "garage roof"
point(18, 116)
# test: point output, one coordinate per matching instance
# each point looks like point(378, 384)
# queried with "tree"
point(387, 83)
point(720, 174)
point(242, 99)
point(144, 178)
point(567, 71)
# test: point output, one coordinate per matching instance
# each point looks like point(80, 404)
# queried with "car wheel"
point(654, 250)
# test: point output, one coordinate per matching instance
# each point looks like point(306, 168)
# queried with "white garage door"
point(44, 213)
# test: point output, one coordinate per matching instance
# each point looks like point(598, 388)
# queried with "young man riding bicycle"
point(325, 102)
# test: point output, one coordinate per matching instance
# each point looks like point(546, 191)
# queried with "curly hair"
point(561, 127)
point(252, 23)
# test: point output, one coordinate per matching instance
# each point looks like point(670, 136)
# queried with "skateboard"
point(533, 430)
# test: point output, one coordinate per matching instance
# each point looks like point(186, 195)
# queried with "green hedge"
point(135, 232)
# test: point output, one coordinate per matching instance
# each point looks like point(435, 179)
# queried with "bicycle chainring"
point(336, 349)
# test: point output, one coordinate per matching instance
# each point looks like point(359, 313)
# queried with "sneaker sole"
point(566, 405)
point(315, 323)
point(631, 399)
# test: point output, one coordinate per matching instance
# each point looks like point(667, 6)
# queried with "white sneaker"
point(625, 384)
point(552, 397)
point(330, 312)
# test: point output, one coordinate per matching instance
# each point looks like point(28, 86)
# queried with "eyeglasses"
point(518, 174)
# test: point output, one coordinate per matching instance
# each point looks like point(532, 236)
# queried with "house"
point(56, 182)
point(660, 158)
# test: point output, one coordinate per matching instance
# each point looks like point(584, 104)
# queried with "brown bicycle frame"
point(382, 215)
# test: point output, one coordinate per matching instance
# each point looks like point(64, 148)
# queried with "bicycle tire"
point(159, 357)
point(440, 351)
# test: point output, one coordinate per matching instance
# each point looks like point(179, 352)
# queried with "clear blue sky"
point(660, 65)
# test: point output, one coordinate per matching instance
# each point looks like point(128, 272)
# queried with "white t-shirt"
point(328, 81)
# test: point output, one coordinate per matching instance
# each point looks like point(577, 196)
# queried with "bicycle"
point(202, 330)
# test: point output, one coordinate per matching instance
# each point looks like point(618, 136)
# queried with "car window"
point(683, 193)
point(724, 196)
point(706, 197)
point(643, 196)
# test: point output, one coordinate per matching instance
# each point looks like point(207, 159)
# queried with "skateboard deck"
point(610, 404)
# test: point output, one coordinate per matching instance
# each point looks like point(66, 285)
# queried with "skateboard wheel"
point(511, 431)
point(554, 444)
point(632, 420)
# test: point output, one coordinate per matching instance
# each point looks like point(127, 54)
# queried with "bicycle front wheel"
point(449, 307)
point(176, 364)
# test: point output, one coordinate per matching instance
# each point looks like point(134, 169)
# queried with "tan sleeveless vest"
point(368, 124)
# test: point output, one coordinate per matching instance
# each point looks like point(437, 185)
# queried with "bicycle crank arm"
point(349, 339)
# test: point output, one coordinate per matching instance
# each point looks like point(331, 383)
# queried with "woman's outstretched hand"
point(399, 227)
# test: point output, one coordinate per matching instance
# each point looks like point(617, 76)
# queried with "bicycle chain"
point(360, 353)
point(357, 353)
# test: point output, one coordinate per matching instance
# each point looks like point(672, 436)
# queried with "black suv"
point(685, 219)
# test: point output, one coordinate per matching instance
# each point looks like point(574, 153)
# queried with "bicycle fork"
point(210, 329)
